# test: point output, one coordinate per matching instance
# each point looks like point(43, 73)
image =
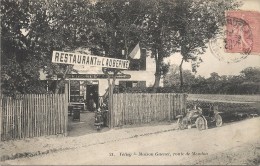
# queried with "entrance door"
point(92, 96)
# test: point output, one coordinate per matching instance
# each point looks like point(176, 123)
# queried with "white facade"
point(88, 86)
point(141, 75)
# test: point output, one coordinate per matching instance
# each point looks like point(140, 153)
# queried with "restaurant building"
point(90, 83)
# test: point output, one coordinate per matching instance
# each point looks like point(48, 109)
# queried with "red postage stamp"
point(242, 32)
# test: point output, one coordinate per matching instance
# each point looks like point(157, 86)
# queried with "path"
point(237, 143)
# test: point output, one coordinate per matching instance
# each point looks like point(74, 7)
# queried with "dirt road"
point(237, 143)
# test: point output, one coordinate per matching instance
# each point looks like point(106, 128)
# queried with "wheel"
point(218, 120)
point(181, 124)
point(200, 123)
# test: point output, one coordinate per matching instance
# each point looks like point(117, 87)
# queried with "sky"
point(212, 64)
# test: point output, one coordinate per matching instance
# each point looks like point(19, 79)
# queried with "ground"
point(236, 143)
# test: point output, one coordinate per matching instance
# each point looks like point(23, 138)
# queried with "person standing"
point(92, 104)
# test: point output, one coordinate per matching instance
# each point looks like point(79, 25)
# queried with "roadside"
point(43, 145)
point(236, 143)
point(246, 154)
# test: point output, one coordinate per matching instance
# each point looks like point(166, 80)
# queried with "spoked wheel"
point(218, 120)
point(200, 123)
point(181, 124)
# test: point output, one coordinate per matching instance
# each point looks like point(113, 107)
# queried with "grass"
point(218, 97)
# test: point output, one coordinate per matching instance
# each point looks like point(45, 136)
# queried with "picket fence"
point(139, 108)
point(33, 115)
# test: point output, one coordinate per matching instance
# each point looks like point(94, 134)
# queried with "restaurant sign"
point(88, 60)
point(98, 76)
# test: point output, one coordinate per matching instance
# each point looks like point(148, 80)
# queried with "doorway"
point(92, 96)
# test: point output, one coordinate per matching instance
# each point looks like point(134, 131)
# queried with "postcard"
point(130, 82)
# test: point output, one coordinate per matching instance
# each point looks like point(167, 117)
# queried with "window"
point(131, 84)
point(134, 84)
point(51, 85)
point(75, 95)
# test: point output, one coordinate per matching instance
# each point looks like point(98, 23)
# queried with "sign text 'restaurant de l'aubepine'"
point(88, 60)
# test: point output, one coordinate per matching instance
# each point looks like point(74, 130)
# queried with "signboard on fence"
point(88, 60)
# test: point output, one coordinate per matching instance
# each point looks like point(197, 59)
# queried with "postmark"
point(218, 49)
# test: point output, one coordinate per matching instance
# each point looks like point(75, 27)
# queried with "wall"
point(147, 75)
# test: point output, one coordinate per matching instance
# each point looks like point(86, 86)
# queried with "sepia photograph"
point(130, 82)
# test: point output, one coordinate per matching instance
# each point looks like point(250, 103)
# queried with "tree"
point(172, 79)
point(197, 22)
point(118, 31)
point(251, 77)
point(70, 24)
point(251, 74)
point(20, 63)
point(31, 31)
point(159, 33)
point(214, 82)
point(200, 85)
point(129, 22)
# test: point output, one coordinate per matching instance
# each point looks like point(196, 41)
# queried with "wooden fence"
point(33, 115)
point(141, 108)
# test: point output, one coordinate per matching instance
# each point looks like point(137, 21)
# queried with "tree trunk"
point(111, 87)
point(156, 81)
point(59, 82)
point(181, 76)
point(157, 71)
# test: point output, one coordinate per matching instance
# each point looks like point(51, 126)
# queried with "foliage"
point(31, 31)
point(159, 32)
point(197, 22)
point(245, 83)
point(172, 79)
point(20, 61)
point(117, 30)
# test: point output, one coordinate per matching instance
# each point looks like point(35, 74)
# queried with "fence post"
point(66, 110)
point(1, 118)
point(111, 107)
point(169, 106)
